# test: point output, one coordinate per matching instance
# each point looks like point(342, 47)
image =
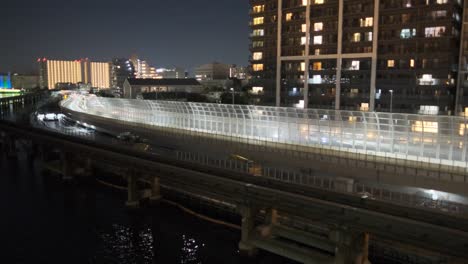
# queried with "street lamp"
point(232, 89)
point(391, 101)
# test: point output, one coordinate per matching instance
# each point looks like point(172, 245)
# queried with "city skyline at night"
point(163, 33)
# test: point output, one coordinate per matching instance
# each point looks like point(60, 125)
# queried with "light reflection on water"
point(45, 221)
point(126, 244)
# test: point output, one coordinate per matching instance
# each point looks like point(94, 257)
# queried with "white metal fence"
point(432, 139)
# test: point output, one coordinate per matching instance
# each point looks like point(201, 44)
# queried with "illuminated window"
point(302, 66)
point(303, 40)
point(317, 51)
point(368, 36)
point(257, 44)
point(407, 33)
point(364, 107)
point(258, 32)
point(318, 26)
point(304, 2)
point(430, 32)
point(463, 128)
point(257, 89)
point(317, 40)
point(391, 63)
point(355, 65)
point(366, 22)
point(356, 37)
point(258, 20)
point(257, 67)
point(289, 16)
point(317, 66)
point(257, 55)
point(425, 127)
point(319, 2)
point(304, 28)
point(441, 2)
point(411, 63)
point(258, 8)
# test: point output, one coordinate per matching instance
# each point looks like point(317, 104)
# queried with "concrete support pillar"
point(271, 219)
point(10, 147)
point(352, 247)
point(42, 154)
point(67, 170)
point(88, 167)
point(155, 190)
point(247, 229)
point(133, 198)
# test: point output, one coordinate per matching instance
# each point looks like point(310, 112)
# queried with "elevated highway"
point(394, 149)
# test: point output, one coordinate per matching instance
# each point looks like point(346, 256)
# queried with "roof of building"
point(167, 81)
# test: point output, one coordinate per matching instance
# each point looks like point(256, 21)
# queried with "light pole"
point(232, 89)
point(391, 101)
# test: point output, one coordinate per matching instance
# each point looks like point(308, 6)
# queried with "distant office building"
point(22, 81)
point(212, 71)
point(238, 72)
point(122, 69)
point(5, 81)
point(361, 54)
point(134, 88)
point(171, 73)
point(100, 75)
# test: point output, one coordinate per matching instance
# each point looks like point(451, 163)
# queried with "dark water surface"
point(43, 220)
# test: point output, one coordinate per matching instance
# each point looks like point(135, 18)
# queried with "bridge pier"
point(155, 191)
point(351, 247)
point(248, 223)
point(9, 146)
point(67, 169)
point(133, 197)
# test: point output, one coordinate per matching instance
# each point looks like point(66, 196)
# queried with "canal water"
point(43, 220)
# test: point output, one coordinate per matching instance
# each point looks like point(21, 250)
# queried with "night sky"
point(181, 33)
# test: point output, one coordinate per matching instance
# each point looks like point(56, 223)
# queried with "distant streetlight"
point(232, 89)
point(391, 101)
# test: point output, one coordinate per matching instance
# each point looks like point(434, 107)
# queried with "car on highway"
point(129, 137)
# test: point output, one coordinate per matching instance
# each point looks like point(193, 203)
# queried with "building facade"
point(212, 71)
point(53, 72)
point(60, 73)
point(122, 69)
point(238, 72)
point(5, 81)
point(134, 88)
point(462, 88)
point(143, 70)
point(25, 81)
point(100, 75)
point(370, 55)
point(171, 73)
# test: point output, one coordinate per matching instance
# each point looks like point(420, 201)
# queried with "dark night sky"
point(165, 32)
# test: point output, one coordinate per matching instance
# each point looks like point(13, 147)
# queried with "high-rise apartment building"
point(462, 89)
point(100, 74)
point(54, 72)
point(143, 70)
point(398, 56)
